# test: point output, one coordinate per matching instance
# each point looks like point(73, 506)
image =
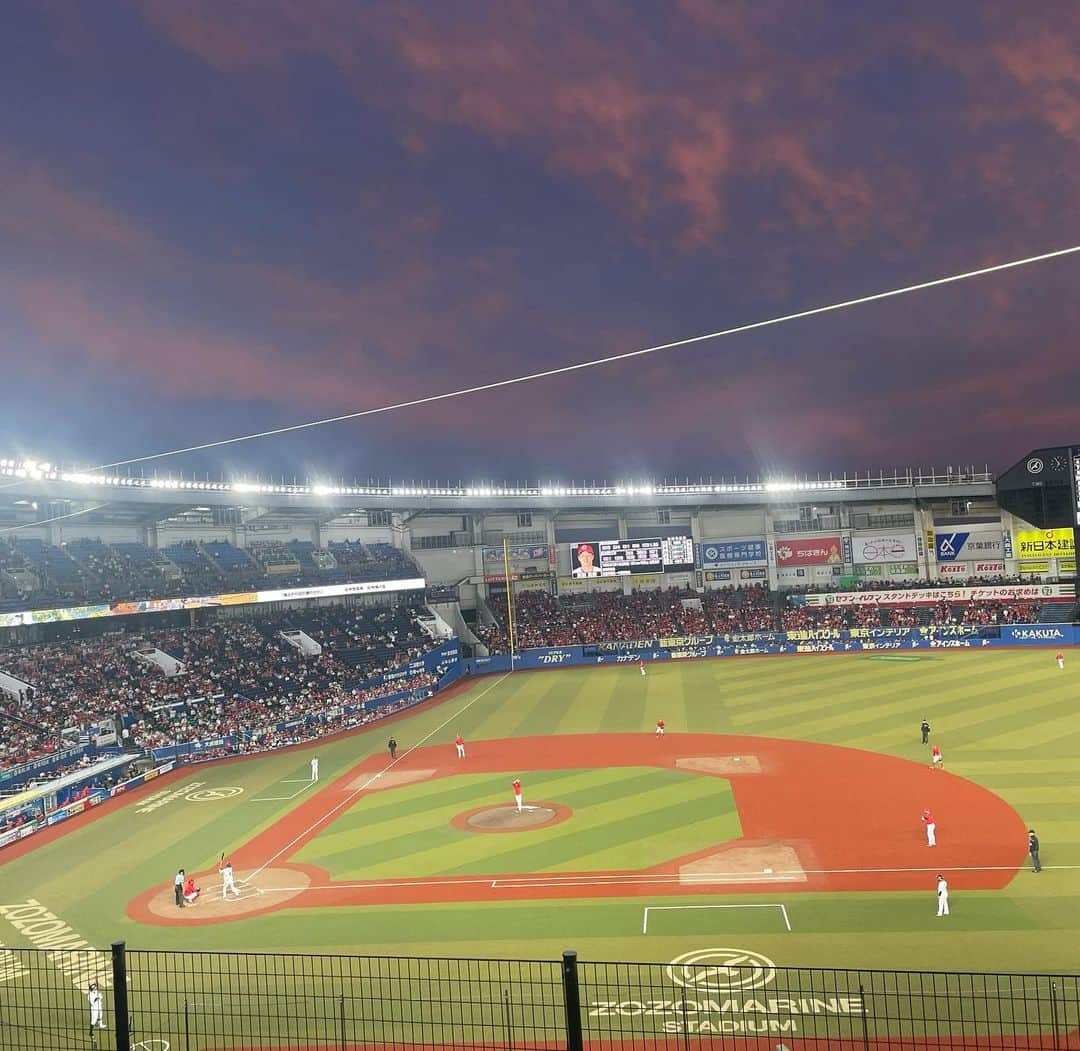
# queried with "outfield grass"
point(1006, 720)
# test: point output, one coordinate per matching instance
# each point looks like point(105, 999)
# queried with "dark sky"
point(219, 217)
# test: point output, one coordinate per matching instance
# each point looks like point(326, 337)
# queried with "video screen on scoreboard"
point(619, 558)
point(678, 554)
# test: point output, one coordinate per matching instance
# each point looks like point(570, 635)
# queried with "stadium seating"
point(543, 620)
point(238, 675)
point(87, 571)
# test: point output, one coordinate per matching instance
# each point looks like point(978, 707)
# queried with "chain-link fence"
point(204, 1001)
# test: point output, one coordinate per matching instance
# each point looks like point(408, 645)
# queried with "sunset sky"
point(220, 217)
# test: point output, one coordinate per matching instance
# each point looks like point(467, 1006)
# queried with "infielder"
point(659, 727)
point(227, 881)
point(937, 762)
point(459, 743)
point(931, 828)
point(97, 1008)
point(517, 794)
point(942, 896)
point(314, 768)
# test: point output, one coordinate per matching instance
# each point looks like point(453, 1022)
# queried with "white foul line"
point(353, 794)
point(278, 799)
point(672, 908)
point(625, 879)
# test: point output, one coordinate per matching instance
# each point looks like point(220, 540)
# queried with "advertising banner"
point(863, 570)
point(714, 576)
point(807, 551)
point(1039, 566)
point(753, 574)
point(969, 546)
point(517, 553)
point(987, 569)
point(1044, 543)
point(954, 569)
point(931, 596)
point(1066, 565)
point(719, 553)
point(883, 547)
point(232, 598)
point(903, 569)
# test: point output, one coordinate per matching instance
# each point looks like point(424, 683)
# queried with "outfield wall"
point(756, 643)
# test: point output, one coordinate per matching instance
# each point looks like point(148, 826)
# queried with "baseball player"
point(517, 794)
point(942, 896)
point(659, 727)
point(191, 892)
point(314, 768)
point(641, 666)
point(937, 762)
point(97, 1008)
point(931, 828)
point(459, 743)
point(1060, 658)
point(228, 882)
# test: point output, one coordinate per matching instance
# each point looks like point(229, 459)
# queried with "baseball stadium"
point(773, 762)
point(471, 577)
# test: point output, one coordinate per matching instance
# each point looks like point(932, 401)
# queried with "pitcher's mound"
point(508, 818)
point(270, 889)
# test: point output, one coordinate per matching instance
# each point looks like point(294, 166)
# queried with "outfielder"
point(641, 665)
point(97, 1008)
point(1060, 658)
point(227, 881)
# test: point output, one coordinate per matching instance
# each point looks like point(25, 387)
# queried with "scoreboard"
point(619, 558)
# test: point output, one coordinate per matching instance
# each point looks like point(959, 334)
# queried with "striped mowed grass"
point(623, 818)
point(1008, 720)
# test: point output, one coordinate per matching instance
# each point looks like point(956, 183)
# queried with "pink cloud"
point(36, 207)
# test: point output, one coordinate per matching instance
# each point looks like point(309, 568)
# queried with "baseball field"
point(780, 812)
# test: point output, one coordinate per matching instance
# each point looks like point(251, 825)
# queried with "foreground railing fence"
point(203, 1001)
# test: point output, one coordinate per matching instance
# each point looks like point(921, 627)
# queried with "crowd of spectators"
point(541, 619)
point(236, 675)
point(86, 571)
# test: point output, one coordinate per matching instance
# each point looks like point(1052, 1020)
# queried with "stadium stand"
point(238, 674)
point(86, 571)
point(543, 620)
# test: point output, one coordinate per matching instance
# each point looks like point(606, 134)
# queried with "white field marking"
point(624, 879)
point(356, 791)
point(304, 786)
point(297, 781)
point(673, 908)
